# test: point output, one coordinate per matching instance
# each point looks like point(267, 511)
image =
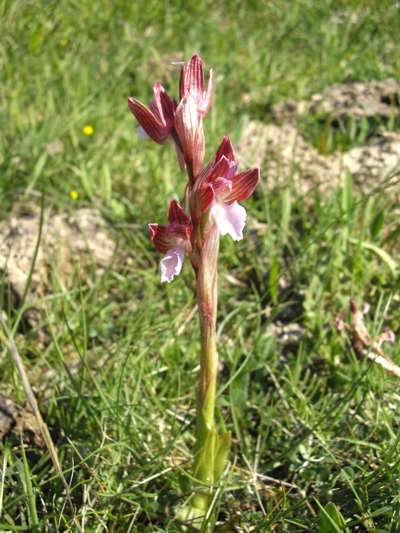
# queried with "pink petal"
point(163, 106)
point(192, 82)
point(225, 149)
point(243, 185)
point(161, 237)
point(194, 78)
point(230, 219)
point(166, 237)
point(176, 215)
point(222, 187)
point(182, 85)
point(178, 150)
point(206, 103)
point(171, 264)
point(200, 200)
point(176, 233)
point(207, 197)
point(189, 127)
point(148, 121)
point(221, 168)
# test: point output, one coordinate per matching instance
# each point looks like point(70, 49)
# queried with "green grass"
point(315, 430)
point(329, 134)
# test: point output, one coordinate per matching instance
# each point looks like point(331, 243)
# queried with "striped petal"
point(163, 106)
point(166, 237)
point(192, 82)
point(148, 121)
point(177, 233)
point(193, 77)
point(243, 185)
point(221, 169)
point(157, 120)
point(189, 127)
point(207, 96)
point(176, 215)
point(225, 149)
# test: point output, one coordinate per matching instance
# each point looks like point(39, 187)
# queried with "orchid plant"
point(211, 208)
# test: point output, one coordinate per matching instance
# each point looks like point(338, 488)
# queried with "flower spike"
point(212, 197)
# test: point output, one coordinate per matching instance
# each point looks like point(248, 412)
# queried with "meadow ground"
point(315, 429)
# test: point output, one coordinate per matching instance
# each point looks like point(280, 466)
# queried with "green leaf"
point(381, 253)
point(377, 224)
point(106, 183)
point(221, 454)
point(37, 171)
point(331, 519)
point(347, 194)
point(274, 274)
point(285, 216)
point(205, 459)
point(26, 478)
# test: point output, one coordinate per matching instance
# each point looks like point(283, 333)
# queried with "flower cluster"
point(213, 192)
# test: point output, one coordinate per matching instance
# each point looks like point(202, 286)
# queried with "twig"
point(362, 342)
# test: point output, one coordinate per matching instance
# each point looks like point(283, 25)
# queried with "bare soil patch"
point(284, 154)
point(69, 242)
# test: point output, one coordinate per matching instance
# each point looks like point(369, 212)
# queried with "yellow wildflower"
point(88, 130)
point(73, 195)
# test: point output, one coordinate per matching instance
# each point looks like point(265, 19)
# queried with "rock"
point(371, 164)
point(19, 420)
point(7, 417)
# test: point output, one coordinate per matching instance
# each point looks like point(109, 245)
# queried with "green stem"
point(211, 448)
point(207, 306)
point(206, 435)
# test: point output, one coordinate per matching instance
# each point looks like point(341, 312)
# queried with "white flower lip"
point(230, 219)
point(171, 264)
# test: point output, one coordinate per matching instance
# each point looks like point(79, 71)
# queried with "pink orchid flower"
point(173, 240)
point(183, 124)
point(192, 84)
point(157, 120)
point(194, 104)
point(219, 189)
